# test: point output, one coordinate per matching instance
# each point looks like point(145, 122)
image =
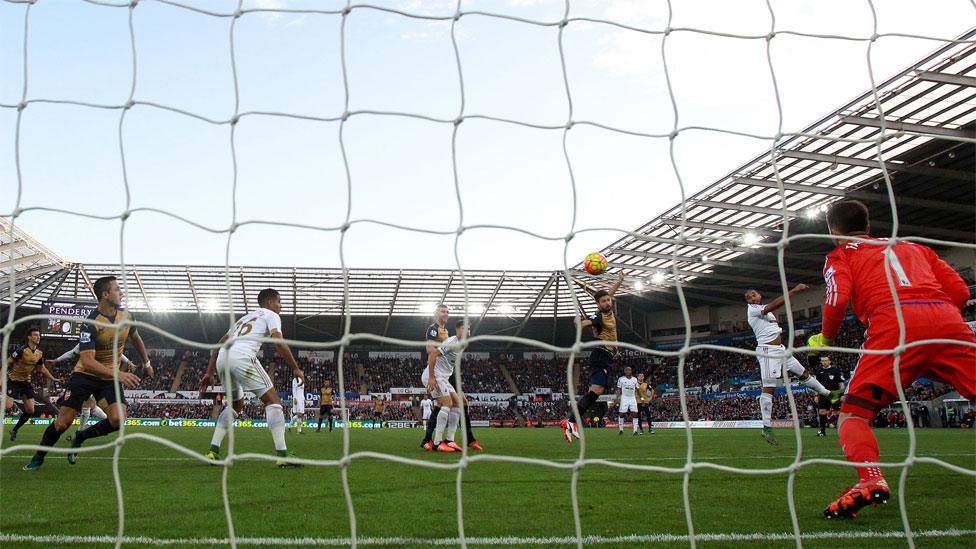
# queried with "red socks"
point(859, 444)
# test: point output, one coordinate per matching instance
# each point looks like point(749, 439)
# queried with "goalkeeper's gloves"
point(818, 340)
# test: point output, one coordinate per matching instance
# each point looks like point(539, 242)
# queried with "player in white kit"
point(425, 408)
point(772, 356)
point(239, 371)
point(437, 379)
point(627, 397)
point(297, 404)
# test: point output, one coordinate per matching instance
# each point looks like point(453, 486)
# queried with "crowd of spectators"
point(528, 374)
point(164, 369)
point(730, 408)
point(196, 366)
point(710, 371)
point(394, 412)
point(380, 374)
point(955, 415)
point(500, 413)
point(923, 391)
point(169, 411)
point(699, 409)
point(478, 375)
point(537, 411)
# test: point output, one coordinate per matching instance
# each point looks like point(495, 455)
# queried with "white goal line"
point(495, 540)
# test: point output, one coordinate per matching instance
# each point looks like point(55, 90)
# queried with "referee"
point(833, 380)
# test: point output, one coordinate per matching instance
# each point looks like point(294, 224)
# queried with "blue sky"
point(291, 170)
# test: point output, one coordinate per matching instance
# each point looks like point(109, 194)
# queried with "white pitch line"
point(565, 460)
point(475, 540)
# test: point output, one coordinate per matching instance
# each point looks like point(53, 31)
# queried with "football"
point(595, 263)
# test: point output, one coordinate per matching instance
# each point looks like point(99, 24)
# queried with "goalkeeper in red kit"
point(931, 295)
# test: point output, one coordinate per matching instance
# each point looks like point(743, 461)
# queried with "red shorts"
point(872, 385)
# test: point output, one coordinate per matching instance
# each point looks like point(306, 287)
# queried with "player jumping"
point(604, 326)
point(769, 342)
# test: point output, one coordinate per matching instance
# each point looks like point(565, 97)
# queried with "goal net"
point(667, 90)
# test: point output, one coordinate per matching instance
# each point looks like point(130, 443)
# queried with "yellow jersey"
point(103, 340)
point(605, 327)
point(26, 360)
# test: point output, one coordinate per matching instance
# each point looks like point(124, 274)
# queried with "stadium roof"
point(929, 118)
point(33, 265)
point(318, 291)
point(929, 111)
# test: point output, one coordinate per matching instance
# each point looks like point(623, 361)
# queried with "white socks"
point(224, 421)
point(453, 419)
point(636, 424)
point(766, 409)
point(442, 417)
point(796, 370)
point(276, 422)
point(85, 414)
point(812, 383)
point(620, 423)
point(296, 422)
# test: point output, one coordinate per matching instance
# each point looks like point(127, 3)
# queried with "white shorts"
point(771, 367)
point(426, 415)
point(628, 406)
point(443, 388)
point(246, 374)
point(298, 406)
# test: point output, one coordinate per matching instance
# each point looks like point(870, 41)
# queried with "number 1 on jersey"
point(896, 267)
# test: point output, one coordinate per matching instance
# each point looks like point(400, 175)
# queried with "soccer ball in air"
point(595, 263)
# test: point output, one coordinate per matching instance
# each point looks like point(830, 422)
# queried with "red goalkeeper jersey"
point(855, 272)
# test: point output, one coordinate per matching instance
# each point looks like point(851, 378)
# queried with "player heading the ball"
point(604, 326)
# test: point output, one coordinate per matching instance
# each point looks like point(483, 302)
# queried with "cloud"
point(636, 13)
point(270, 17)
point(277, 18)
point(418, 36)
point(622, 52)
point(530, 3)
point(626, 53)
point(428, 7)
point(432, 29)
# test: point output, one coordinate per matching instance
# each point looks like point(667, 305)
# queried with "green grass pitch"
point(169, 495)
